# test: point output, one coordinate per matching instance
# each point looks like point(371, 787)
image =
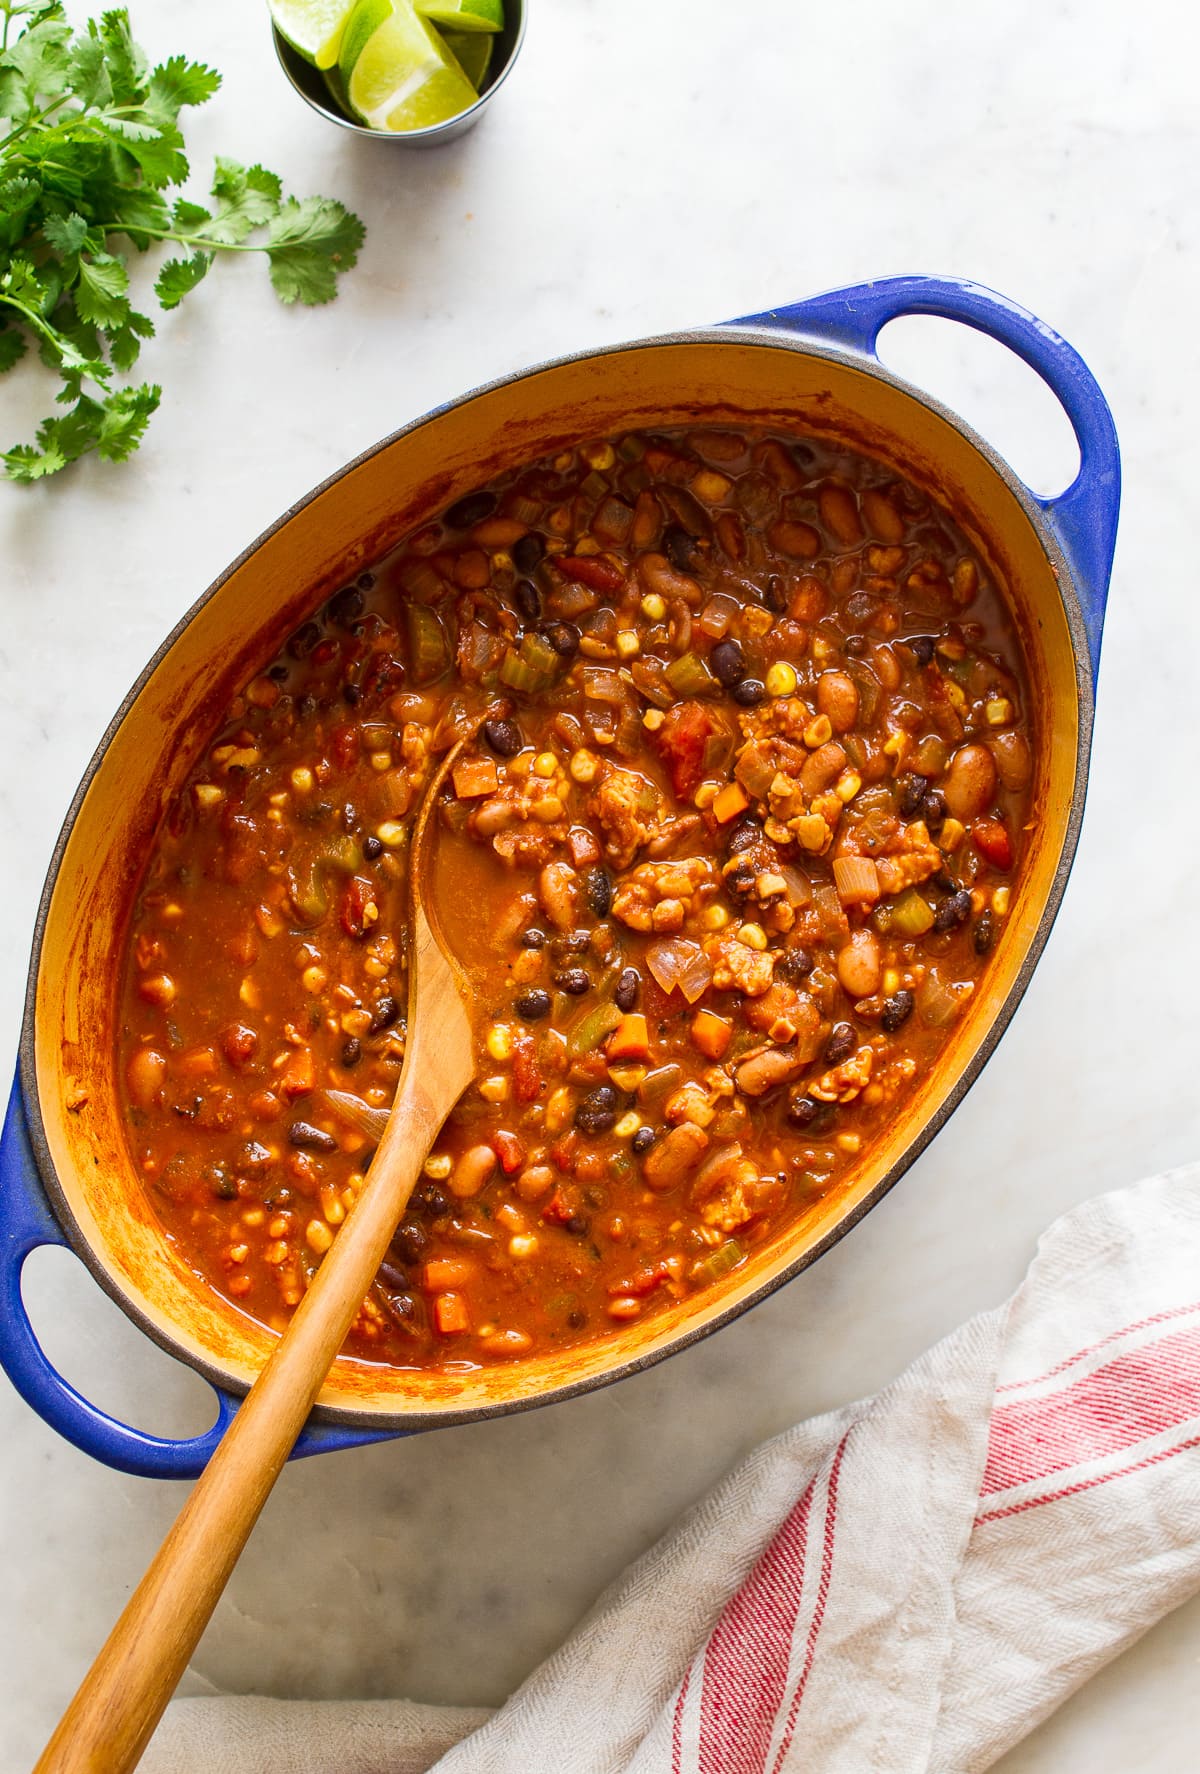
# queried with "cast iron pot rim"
point(422, 1419)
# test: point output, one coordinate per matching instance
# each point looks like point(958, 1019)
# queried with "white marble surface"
point(648, 166)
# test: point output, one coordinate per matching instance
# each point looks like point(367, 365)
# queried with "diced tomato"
point(359, 894)
point(562, 1206)
point(563, 1152)
point(238, 1044)
point(642, 1282)
point(508, 1150)
point(344, 743)
point(528, 1083)
point(681, 739)
point(300, 1074)
point(590, 570)
point(991, 839)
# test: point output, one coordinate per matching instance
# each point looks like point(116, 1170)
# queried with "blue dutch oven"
point(65, 1173)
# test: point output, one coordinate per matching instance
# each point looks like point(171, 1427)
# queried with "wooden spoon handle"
point(110, 1720)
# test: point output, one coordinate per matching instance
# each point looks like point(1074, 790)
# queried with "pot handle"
point(26, 1222)
point(1083, 519)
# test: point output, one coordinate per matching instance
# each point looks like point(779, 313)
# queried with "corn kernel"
point(951, 834)
point(781, 680)
point(317, 1236)
point(998, 712)
point(355, 1022)
point(253, 1216)
point(494, 1090)
point(821, 649)
point(522, 1244)
point(499, 1042)
point(705, 795)
point(598, 455)
point(276, 1253)
point(334, 1212)
point(714, 917)
point(208, 795)
point(818, 732)
point(249, 994)
point(752, 935)
point(628, 643)
point(381, 761)
point(548, 809)
point(849, 1142)
point(545, 764)
point(314, 979)
point(437, 1166)
point(303, 780)
point(652, 720)
point(653, 607)
point(583, 766)
point(278, 1226)
point(627, 1126)
point(847, 786)
point(238, 1253)
point(522, 764)
point(891, 981)
point(558, 1110)
point(1000, 901)
point(390, 833)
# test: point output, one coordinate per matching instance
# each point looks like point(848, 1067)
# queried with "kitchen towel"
point(905, 1586)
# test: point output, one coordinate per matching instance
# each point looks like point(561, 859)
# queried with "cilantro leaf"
point(101, 294)
point(12, 347)
point(178, 276)
point(309, 245)
point(66, 234)
point(125, 342)
point(177, 83)
point(247, 197)
point(124, 419)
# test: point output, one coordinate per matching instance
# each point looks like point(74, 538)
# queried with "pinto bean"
point(767, 1069)
point(556, 891)
point(668, 1162)
point(823, 767)
point(837, 697)
point(882, 516)
point(839, 513)
point(1011, 752)
point(472, 1171)
point(494, 816)
point(859, 965)
point(970, 782)
point(799, 540)
point(146, 1075)
point(658, 575)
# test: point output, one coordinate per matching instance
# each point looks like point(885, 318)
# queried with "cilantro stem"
point(199, 242)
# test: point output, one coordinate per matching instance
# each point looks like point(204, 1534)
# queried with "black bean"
point(432, 1200)
point(504, 737)
point(221, 1181)
point(921, 648)
point(840, 1044)
point(533, 1004)
point(728, 663)
point(304, 640)
point(854, 646)
point(528, 552)
point(528, 599)
point(579, 1224)
point(410, 1242)
point(912, 795)
point(793, 966)
point(465, 513)
point(533, 939)
point(642, 1140)
point(896, 1010)
point(372, 847)
point(679, 548)
point(598, 887)
point(576, 1319)
point(933, 809)
point(984, 934)
point(749, 692)
point(575, 980)
point(801, 1109)
point(310, 1138)
point(563, 637)
point(598, 1110)
point(394, 1278)
point(945, 881)
point(306, 705)
point(741, 879)
point(744, 833)
point(384, 1015)
point(345, 606)
point(351, 694)
point(365, 580)
point(774, 596)
point(575, 942)
point(625, 995)
point(351, 1051)
point(279, 673)
point(953, 911)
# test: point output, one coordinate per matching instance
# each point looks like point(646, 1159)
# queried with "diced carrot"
point(474, 777)
point(711, 1033)
point(729, 802)
point(301, 1074)
point(583, 846)
point(450, 1315)
point(629, 1040)
point(993, 843)
point(198, 1062)
point(441, 1273)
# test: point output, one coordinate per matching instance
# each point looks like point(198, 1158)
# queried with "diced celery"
point(912, 914)
point(689, 676)
point(428, 650)
point(591, 1029)
point(722, 1260)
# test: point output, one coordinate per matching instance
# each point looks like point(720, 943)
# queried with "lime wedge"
point(397, 72)
point(312, 27)
point(472, 50)
point(463, 15)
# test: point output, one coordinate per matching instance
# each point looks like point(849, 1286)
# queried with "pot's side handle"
point(27, 1222)
point(1084, 517)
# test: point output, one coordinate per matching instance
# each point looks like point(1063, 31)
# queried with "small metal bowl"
point(309, 82)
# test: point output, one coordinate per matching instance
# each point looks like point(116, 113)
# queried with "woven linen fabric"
point(906, 1586)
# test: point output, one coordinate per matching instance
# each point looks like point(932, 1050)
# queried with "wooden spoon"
point(112, 1717)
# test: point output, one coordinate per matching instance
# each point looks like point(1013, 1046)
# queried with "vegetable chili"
point(726, 863)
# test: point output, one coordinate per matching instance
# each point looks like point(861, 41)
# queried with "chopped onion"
point(937, 1003)
point(717, 614)
point(676, 962)
point(799, 887)
point(857, 880)
point(356, 1113)
point(603, 686)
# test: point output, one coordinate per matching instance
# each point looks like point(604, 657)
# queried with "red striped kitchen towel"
point(909, 1584)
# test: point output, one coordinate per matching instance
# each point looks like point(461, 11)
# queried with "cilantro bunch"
point(90, 145)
